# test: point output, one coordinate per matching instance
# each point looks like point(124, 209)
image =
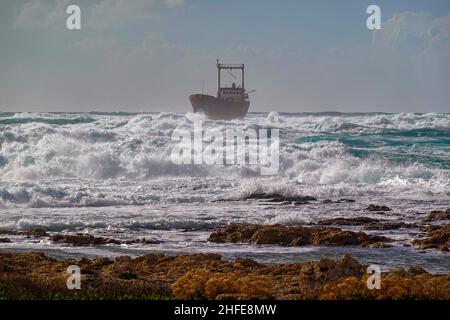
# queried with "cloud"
point(114, 13)
point(172, 4)
point(406, 67)
point(88, 45)
point(98, 15)
point(42, 14)
point(439, 30)
point(412, 32)
point(418, 42)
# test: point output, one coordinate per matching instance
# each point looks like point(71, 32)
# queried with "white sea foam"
point(111, 149)
point(111, 175)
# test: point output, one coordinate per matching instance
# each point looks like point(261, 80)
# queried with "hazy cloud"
point(174, 3)
point(403, 67)
point(42, 14)
point(99, 15)
point(115, 13)
point(412, 31)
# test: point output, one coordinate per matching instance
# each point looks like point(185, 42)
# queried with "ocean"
point(110, 175)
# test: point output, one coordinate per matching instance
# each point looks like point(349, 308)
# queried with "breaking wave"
point(77, 160)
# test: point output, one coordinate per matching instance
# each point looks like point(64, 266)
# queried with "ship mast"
point(229, 66)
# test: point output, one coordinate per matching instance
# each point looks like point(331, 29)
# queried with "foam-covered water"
point(111, 174)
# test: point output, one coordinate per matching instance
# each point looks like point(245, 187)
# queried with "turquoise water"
point(58, 122)
point(425, 146)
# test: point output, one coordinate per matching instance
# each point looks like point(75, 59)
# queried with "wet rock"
point(5, 240)
point(143, 241)
point(437, 237)
point(292, 236)
point(81, 239)
point(438, 215)
point(36, 233)
point(380, 245)
point(350, 265)
point(345, 200)
point(428, 228)
point(391, 225)
point(358, 221)
point(378, 208)
point(416, 270)
point(278, 198)
point(8, 232)
point(234, 233)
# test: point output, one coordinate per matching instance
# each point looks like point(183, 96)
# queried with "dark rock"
point(346, 200)
point(8, 232)
point(416, 270)
point(358, 221)
point(143, 241)
point(278, 198)
point(292, 236)
point(80, 239)
point(377, 208)
point(349, 264)
point(234, 233)
point(379, 245)
point(338, 201)
point(438, 215)
point(368, 223)
point(5, 240)
point(436, 238)
point(37, 233)
point(391, 225)
point(429, 228)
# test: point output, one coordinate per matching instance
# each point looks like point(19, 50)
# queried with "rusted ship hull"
point(219, 109)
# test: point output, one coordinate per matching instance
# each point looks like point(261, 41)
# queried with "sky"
point(150, 55)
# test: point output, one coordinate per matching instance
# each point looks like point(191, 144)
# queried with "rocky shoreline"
point(294, 236)
point(437, 237)
point(208, 276)
point(329, 232)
